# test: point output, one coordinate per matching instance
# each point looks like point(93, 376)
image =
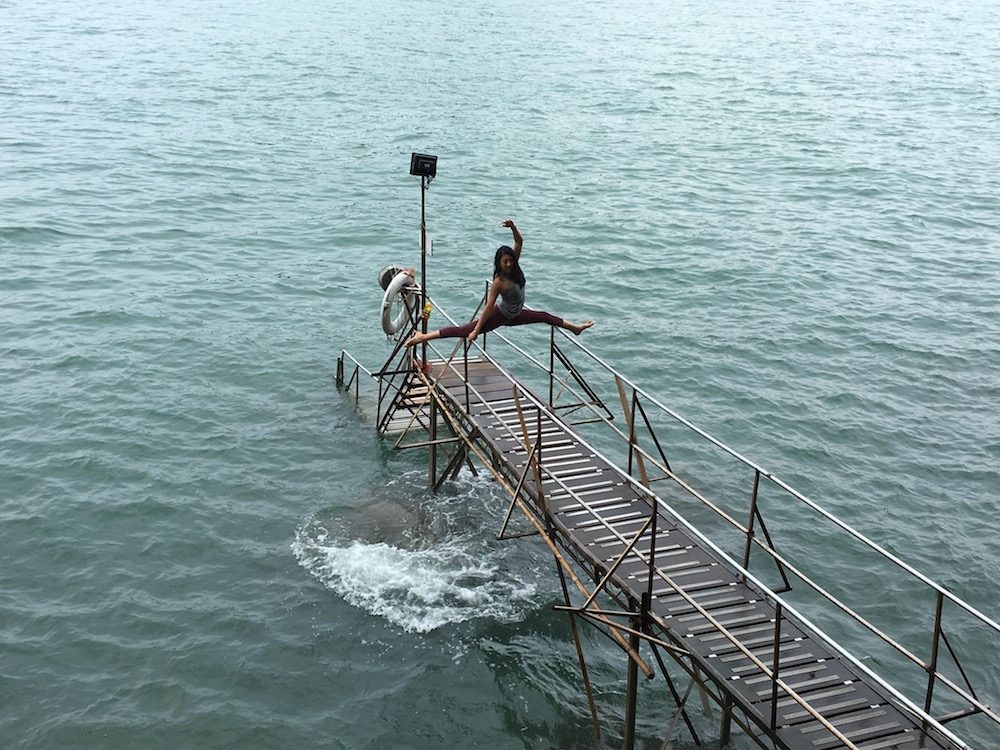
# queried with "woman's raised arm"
point(518, 239)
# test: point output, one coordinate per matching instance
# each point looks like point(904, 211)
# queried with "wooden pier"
point(634, 568)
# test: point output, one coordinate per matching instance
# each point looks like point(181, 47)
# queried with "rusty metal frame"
point(639, 617)
point(966, 694)
point(615, 631)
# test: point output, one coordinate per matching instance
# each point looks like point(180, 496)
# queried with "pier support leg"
point(679, 700)
point(432, 453)
point(579, 653)
point(727, 720)
point(631, 689)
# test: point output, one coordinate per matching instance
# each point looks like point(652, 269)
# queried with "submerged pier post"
point(632, 687)
point(432, 453)
point(725, 728)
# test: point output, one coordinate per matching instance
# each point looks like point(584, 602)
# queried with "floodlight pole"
point(425, 167)
point(424, 183)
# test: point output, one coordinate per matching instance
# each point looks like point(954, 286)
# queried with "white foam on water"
point(451, 576)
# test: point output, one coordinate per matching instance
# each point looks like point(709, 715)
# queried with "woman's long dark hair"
point(516, 274)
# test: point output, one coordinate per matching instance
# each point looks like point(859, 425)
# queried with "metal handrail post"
point(932, 667)
point(552, 364)
point(465, 372)
point(753, 514)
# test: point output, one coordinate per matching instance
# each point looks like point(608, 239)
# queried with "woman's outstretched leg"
point(526, 317)
point(495, 320)
point(448, 332)
point(419, 338)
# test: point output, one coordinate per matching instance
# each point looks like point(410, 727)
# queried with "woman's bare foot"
point(578, 329)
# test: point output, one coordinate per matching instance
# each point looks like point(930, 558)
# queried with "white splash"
point(449, 576)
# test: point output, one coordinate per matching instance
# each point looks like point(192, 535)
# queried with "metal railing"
point(642, 460)
point(648, 465)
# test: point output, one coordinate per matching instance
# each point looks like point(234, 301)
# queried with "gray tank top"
point(512, 300)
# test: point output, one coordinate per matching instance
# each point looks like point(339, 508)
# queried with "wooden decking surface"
point(596, 512)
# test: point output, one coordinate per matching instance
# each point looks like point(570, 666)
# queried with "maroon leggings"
point(498, 319)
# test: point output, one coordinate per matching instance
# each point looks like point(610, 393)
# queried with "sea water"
point(783, 219)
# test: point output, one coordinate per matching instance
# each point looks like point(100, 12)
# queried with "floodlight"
point(423, 165)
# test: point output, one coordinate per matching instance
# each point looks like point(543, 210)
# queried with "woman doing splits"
point(508, 284)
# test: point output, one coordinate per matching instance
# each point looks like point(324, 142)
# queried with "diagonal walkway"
point(698, 602)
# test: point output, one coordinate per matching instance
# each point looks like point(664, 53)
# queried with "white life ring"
point(399, 286)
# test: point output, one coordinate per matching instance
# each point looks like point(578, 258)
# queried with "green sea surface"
point(784, 219)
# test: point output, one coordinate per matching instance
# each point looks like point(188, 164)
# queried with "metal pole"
point(579, 653)
point(679, 700)
point(423, 263)
point(486, 296)
point(727, 720)
point(552, 363)
point(753, 513)
point(465, 374)
point(432, 454)
point(651, 570)
point(631, 688)
point(538, 471)
point(932, 667)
